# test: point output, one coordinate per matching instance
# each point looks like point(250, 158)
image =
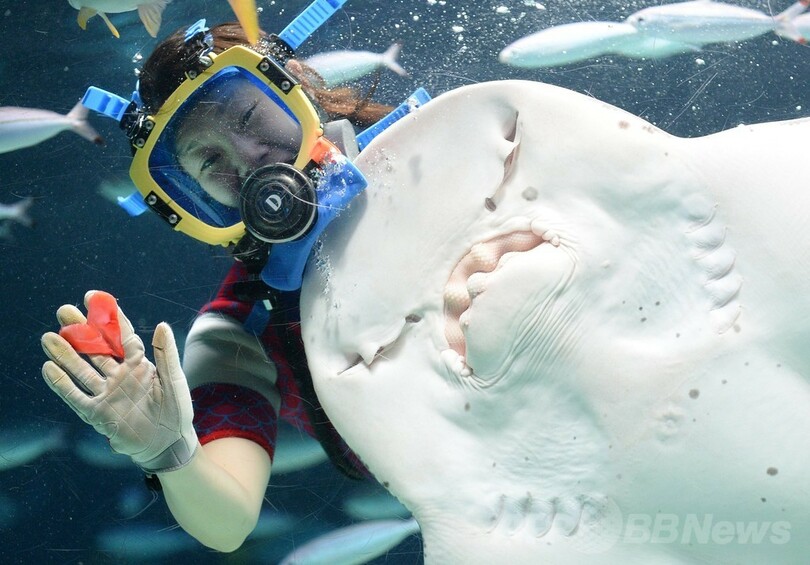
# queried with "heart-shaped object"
point(101, 335)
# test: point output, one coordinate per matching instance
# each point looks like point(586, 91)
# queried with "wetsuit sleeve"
point(232, 380)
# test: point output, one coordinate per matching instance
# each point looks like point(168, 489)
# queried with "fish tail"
point(85, 14)
point(110, 25)
point(78, 119)
point(19, 212)
point(151, 15)
point(247, 15)
point(390, 59)
point(792, 11)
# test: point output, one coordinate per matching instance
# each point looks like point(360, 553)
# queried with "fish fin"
point(5, 231)
point(78, 119)
point(789, 31)
point(110, 25)
point(390, 59)
point(20, 214)
point(792, 11)
point(85, 14)
point(248, 17)
point(151, 15)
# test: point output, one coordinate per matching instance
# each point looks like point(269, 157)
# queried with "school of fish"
point(655, 32)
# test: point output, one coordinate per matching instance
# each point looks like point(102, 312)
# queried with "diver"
point(229, 148)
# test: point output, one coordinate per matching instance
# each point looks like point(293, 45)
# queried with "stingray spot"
point(763, 499)
point(385, 484)
point(489, 204)
point(640, 308)
point(643, 319)
point(658, 303)
point(694, 393)
point(772, 471)
point(413, 318)
point(677, 335)
point(746, 363)
point(493, 464)
point(529, 193)
point(467, 407)
point(724, 381)
point(623, 124)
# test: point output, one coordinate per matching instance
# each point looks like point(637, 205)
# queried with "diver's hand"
point(144, 410)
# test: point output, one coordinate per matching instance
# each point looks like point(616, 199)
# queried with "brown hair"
point(164, 70)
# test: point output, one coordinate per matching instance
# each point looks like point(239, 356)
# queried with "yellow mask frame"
point(314, 146)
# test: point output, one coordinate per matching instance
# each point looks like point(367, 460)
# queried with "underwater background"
point(64, 507)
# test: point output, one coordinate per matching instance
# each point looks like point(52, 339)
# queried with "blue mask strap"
point(305, 24)
point(414, 101)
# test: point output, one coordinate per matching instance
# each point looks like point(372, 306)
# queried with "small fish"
point(567, 43)
point(377, 505)
point(17, 212)
point(699, 22)
point(338, 67)
point(150, 12)
point(94, 449)
point(272, 525)
point(295, 451)
point(358, 543)
point(24, 127)
point(144, 543)
point(20, 447)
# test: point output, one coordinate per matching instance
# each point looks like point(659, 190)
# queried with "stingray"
point(559, 334)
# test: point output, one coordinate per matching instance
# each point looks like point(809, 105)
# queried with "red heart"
point(101, 335)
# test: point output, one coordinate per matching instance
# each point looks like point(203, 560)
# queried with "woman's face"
point(230, 132)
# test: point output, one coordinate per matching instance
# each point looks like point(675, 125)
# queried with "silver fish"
point(358, 543)
point(17, 212)
point(704, 21)
point(20, 447)
point(338, 67)
point(24, 127)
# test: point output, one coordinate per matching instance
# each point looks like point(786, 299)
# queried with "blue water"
point(54, 508)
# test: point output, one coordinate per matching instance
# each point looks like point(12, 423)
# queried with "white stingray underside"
point(546, 320)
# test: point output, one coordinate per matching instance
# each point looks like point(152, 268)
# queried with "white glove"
point(145, 411)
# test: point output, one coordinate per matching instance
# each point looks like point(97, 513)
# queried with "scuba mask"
point(236, 154)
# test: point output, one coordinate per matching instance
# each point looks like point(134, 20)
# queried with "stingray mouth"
point(468, 280)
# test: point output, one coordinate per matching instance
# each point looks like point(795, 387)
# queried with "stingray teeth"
point(476, 284)
point(455, 363)
point(456, 297)
point(547, 234)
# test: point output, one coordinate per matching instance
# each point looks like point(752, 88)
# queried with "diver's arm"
point(145, 410)
point(217, 497)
